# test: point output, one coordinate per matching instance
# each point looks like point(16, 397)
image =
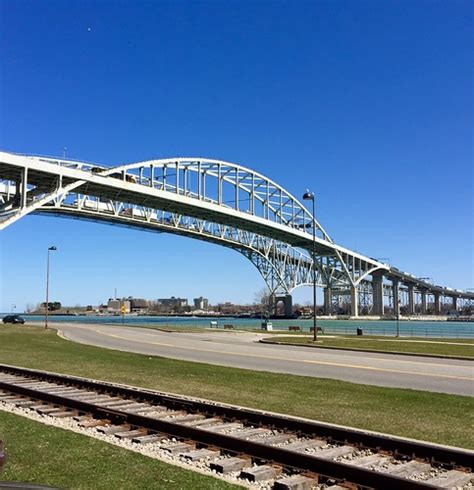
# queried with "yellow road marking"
point(307, 361)
point(400, 361)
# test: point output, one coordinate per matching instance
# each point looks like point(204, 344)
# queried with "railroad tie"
point(136, 408)
point(224, 427)
point(189, 418)
point(295, 482)
point(148, 409)
point(411, 468)
point(302, 446)
point(63, 391)
point(450, 479)
point(261, 473)
point(169, 414)
point(48, 409)
point(130, 434)
point(147, 439)
point(154, 408)
point(229, 465)
point(116, 403)
point(95, 399)
point(252, 433)
point(113, 429)
point(370, 461)
point(179, 447)
point(200, 454)
point(38, 406)
point(26, 403)
point(278, 439)
point(204, 423)
point(61, 413)
point(334, 452)
point(12, 398)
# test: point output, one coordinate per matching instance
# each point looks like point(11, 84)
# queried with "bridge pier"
point(327, 301)
point(287, 300)
point(396, 297)
point(354, 301)
point(377, 291)
point(423, 302)
point(437, 304)
point(411, 300)
point(455, 303)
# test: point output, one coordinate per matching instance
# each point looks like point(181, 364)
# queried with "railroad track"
point(279, 451)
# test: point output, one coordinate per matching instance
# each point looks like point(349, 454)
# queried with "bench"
point(229, 327)
point(319, 329)
point(294, 328)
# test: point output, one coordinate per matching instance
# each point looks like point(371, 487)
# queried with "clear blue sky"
point(368, 103)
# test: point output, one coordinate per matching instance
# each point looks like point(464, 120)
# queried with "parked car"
point(13, 319)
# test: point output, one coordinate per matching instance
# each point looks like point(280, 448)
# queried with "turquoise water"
point(386, 327)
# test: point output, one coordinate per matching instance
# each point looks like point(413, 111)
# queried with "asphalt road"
point(241, 350)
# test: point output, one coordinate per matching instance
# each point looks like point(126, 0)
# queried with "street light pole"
point(47, 288)
point(309, 196)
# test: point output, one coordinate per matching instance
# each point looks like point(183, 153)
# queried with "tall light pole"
point(309, 196)
point(53, 248)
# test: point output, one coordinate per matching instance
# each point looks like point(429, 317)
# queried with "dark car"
point(13, 319)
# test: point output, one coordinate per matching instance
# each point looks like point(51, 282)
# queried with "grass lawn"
point(442, 418)
point(49, 455)
point(413, 345)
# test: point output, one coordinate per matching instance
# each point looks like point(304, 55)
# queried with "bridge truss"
point(211, 200)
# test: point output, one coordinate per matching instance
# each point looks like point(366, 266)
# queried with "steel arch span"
point(211, 200)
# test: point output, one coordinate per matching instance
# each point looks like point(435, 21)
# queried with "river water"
point(349, 327)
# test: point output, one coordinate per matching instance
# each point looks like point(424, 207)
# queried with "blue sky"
point(368, 103)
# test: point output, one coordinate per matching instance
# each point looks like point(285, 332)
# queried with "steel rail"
point(451, 457)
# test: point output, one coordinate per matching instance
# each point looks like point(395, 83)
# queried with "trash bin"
point(359, 331)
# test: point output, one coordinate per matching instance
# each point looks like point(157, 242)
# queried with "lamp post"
point(53, 248)
point(309, 196)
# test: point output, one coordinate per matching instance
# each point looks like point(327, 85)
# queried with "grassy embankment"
point(48, 455)
point(74, 461)
point(412, 345)
point(431, 416)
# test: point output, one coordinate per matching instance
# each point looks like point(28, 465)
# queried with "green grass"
point(442, 418)
point(440, 347)
point(49, 455)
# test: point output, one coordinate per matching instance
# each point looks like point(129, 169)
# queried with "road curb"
point(353, 349)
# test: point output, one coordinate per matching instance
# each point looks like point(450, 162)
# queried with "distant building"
point(115, 305)
point(201, 303)
point(227, 308)
point(138, 305)
point(173, 302)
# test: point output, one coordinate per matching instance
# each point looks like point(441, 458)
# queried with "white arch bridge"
point(219, 202)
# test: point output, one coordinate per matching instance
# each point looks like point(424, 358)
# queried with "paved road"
point(241, 350)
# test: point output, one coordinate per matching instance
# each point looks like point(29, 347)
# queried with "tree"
point(263, 299)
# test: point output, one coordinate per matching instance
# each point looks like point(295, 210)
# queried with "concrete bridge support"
point(354, 301)
point(396, 297)
point(328, 301)
point(437, 304)
point(377, 290)
point(455, 303)
point(287, 300)
point(423, 302)
point(411, 300)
